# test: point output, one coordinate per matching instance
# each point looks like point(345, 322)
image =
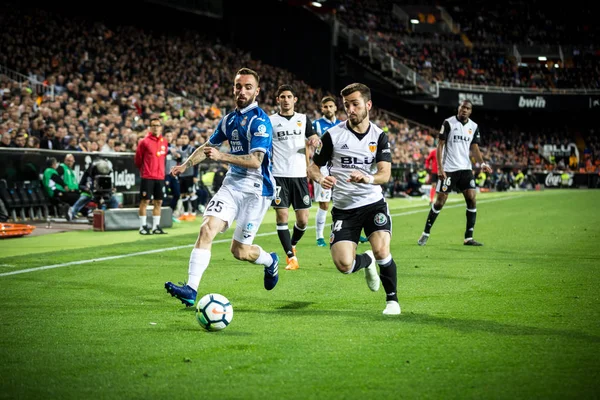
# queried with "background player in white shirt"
point(292, 136)
point(458, 135)
point(246, 192)
point(360, 162)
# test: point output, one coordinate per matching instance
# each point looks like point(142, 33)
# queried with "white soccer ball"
point(214, 312)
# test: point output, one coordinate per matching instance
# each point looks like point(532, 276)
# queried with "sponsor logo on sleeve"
point(262, 131)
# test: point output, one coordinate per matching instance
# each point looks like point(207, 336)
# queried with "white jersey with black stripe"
point(459, 137)
point(347, 150)
point(289, 145)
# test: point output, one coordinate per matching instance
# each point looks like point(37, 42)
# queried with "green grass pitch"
point(516, 319)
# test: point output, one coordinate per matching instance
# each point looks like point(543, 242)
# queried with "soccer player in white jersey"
point(292, 136)
point(246, 192)
point(458, 135)
point(360, 162)
point(323, 196)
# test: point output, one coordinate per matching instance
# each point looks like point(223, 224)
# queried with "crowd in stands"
point(481, 52)
point(109, 80)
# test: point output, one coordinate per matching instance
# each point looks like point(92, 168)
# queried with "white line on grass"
point(142, 253)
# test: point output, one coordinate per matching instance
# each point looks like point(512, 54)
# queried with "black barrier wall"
point(17, 165)
point(543, 101)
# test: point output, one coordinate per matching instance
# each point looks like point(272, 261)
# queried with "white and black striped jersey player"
point(359, 156)
point(292, 136)
point(459, 135)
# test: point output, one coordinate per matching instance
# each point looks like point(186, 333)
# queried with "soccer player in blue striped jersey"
point(246, 192)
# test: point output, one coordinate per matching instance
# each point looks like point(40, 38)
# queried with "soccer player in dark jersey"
point(360, 162)
point(458, 135)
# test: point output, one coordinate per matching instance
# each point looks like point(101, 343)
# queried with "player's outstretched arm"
point(195, 158)
point(251, 161)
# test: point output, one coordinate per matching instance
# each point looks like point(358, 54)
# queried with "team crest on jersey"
point(306, 200)
point(372, 147)
point(235, 135)
point(299, 123)
point(277, 200)
point(244, 121)
point(380, 219)
point(444, 188)
point(470, 131)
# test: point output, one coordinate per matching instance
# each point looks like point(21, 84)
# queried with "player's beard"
point(356, 119)
point(241, 104)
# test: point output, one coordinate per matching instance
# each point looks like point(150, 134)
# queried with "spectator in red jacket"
point(431, 166)
point(150, 159)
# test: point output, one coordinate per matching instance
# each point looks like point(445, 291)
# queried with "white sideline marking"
point(142, 253)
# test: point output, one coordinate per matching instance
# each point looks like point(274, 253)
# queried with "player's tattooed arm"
point(197, 156)
point(253, 160)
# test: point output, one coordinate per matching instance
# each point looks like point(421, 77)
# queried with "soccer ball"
point(214, 312)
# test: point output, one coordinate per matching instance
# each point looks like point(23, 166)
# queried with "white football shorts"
point(247, 209)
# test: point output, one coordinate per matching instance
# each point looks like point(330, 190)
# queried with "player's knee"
point(238, 254)
point(207, 233)
point(241, 253)
point(380, 251)
point(343, 267)
point(343, 262)
point(302, 223)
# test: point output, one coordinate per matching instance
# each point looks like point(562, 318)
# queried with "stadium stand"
point(82, 84)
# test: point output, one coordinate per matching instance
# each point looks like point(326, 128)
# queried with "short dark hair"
point(466, 101)
point(327, 99)
point(284, 88)
point(364, 90)
point(50, 161)
point(248, 71)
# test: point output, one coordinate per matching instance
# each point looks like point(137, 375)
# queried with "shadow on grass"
point(469, 325)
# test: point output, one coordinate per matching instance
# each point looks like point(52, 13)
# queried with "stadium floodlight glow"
point(414, 21)
point(316, 4)
point(556, 66)
point(542, 58)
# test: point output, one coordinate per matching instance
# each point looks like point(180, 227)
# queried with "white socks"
point(155, 221)
point(142, 221)
point(320, 221)
point(264, 258)
point(199, 260)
